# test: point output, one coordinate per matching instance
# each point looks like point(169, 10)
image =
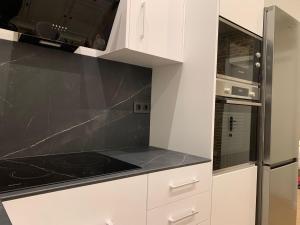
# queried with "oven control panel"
point(234, 89)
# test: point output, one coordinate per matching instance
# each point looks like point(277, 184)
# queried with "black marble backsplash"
point(54, 102)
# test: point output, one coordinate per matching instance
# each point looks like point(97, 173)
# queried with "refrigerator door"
point(280, 195)
point(280, 87)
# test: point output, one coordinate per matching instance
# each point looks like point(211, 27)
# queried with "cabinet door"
point(246, 13)
point(234, 197)
point(117, 202)
point(157, 27)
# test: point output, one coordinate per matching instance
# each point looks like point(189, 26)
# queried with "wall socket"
point(141, 107)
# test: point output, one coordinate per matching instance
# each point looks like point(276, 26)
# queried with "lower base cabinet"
point(120, 202)
point(179, 196)
point(234, 197)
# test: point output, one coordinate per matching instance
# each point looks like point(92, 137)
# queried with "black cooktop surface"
point(36, 171)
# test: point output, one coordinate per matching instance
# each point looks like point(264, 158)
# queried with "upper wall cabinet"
point(246, 13)
point(146, 33)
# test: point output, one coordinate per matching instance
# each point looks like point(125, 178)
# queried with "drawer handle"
point(194, 181)
point(176, 220)
point(143, 6)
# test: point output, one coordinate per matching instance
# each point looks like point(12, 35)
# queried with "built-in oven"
point(236, 124)
point(239, 53)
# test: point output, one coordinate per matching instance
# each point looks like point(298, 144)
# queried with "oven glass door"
point(239, 53)
point(235, 140)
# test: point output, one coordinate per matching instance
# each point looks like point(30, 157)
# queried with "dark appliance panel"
point(239, 53)
point(235, 140)
point(68, 23)
point(29, 172)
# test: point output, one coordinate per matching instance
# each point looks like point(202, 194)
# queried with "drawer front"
point(117, 202)
point(207, 222)
point(190, 211)
point(173, 185)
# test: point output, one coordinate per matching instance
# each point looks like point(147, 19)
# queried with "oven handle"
point(236, 102)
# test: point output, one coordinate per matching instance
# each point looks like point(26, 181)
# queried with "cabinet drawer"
point(190, 211)
point(173, 185)
point(116, 202)
point(207, 222)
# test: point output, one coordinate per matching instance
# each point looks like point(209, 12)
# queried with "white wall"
point(183, 96)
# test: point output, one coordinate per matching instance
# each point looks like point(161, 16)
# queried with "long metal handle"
point(194, 181)
point(176, 220)
point(143, 7)
point(237, 102)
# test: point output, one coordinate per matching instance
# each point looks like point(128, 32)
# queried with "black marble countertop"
point(149, 159)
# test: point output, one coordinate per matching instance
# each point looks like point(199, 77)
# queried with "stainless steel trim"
point(233, 168)
point(225, 77)
point(236, 102)
point(224, 89)
point(193, 213)
point(262, 178)
point(239, 28)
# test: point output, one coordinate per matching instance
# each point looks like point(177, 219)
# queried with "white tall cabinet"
point(234, 192)
point(183, 95)
point(234, 197)
point(246, 13)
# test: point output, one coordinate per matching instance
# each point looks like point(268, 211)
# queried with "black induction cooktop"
point(21, 173)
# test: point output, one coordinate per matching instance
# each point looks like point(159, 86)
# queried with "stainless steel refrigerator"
point(279, 145)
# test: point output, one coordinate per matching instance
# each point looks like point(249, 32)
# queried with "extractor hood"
point(65, 24)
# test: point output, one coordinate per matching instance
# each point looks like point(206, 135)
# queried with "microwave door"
point(239, 53)
point(239, 67)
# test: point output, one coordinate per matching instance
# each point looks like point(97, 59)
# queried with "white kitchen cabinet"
point(148, 32)
point(116, 202)
point(234, 197)
point(246, 13)
point(156, 27)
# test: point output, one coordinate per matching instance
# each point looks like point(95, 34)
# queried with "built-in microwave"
point(236, 124)
point(239, 53)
